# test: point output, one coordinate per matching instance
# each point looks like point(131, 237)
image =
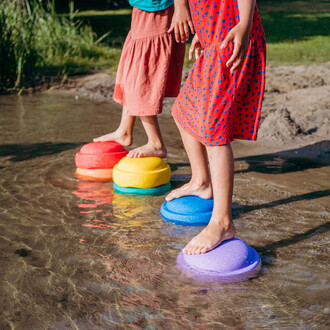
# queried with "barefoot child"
point(220, 101)
point(150, 69)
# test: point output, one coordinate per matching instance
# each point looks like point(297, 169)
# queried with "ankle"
point(157, 144)
point(225, 221)
point(200, 183)
point(123, 132)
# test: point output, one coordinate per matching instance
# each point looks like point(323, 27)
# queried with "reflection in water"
point(93, 259)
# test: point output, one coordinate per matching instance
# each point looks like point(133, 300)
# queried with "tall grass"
point(34, 39)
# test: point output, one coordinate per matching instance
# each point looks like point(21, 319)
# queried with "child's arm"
point(181, 21)
point(240, 34)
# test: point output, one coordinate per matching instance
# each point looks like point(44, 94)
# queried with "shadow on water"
point(307, 196)
point(21, 152)
point(312, 156)
point(268, 252)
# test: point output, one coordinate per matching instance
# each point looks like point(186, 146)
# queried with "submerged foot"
point(190, 188)
point(148, 150)
point(122, 138)
point(210, 237)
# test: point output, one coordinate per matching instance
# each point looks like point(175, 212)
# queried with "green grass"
point(297, 32)
point(313, 50)
point(115, 23)
point(36, 42)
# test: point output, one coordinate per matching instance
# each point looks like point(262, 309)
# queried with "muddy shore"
point(295, 111)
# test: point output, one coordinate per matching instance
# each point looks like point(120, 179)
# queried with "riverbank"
point(295, 111)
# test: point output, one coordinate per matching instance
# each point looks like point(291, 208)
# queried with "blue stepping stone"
point(188, 210)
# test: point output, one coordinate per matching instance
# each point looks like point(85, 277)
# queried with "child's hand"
point(239, 35)
point(195, 46)
point(181, 22)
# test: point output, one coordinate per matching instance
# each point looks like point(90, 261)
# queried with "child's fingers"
point(192, 48)
point(186, 30)
point(236, 65)
point(234, 55)
point(239, 61)
point(190, 54)
point(198, 52)
point(183, 32)
point(192, 29)
point(226, 41)
point(177, 33)
point(171, 29)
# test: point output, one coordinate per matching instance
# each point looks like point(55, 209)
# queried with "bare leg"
point(200, 184)
point(221, 226)
point(155, 145)
point(123, 134)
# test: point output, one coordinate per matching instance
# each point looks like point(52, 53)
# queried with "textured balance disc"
point(101, 155)
point(188, 210)
point(159, 190)
point(146, 172)
point(232, 260)
point(94, 174)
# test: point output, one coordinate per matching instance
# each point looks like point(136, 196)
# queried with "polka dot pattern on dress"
point(214, 105)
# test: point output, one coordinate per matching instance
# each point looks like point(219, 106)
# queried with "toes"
point(136, 153)
point(196, 247)
point(199, 250)
point(195, 250)
point(204, 250)
point(191, 247)
point(172, 195)
point(101, 139)
point(187, 248)
point(131, 154)
point(168, 197)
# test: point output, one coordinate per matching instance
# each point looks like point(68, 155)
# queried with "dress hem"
point(212, 144)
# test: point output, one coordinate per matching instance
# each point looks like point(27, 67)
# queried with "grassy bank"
point(36, 43)
point(297, 32)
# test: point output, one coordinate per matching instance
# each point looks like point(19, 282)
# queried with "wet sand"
point(76, 255)
point(295, 113)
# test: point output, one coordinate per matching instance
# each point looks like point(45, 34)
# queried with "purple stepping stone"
point(231, 261)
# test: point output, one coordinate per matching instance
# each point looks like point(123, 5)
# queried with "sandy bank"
point(295, 111)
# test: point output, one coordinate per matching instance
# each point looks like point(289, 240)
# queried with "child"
point(150, 69)
point(220, 101)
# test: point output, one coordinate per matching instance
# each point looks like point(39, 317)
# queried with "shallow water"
point(76, 255)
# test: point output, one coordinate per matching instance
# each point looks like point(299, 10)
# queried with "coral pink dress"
point(214, 105)
point(151, 62)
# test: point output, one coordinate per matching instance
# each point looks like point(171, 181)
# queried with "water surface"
point(76, 255)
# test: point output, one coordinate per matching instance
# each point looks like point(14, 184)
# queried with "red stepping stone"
point(100, 155)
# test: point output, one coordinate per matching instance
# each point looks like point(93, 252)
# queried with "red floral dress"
point(214, 105)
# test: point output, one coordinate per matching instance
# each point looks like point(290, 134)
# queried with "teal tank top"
point(151, 5)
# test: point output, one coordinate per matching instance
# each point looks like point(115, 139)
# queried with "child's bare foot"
point(191, 188)
point(148, 150)
point(210, 237)
point(122, 138)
